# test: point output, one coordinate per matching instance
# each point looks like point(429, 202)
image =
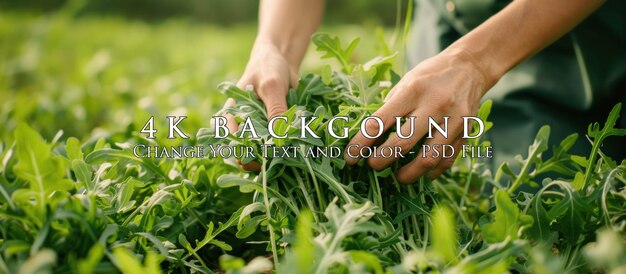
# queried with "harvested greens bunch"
point(356, 219)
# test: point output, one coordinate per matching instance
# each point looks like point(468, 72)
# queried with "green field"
point(78, 75)
point(75, 92)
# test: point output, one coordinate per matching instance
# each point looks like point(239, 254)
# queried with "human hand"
point(450, 84)
point(270, 74)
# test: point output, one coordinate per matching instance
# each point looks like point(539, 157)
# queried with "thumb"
point(273, 96)
point(276, 104)
point(230, 119)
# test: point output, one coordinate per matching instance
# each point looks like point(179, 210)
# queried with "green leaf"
point(128, 263)
point(535, 150)
point(371, 262)
point(580, 160)
point(331, 46)
point(444, 236)
point(40, 262)
point(569, 212)
point(73, 149)
point(311, 84)
point(230, 263)
point(382, 66)
point(560, 162)
point(540, 230)
point(245, 185)
point(327, 74)
point(83, 174)
point(598, 136)
point(107, 154)
point(609, 126)
point(243, 97)
point(249, 226)
point(506, 220)
point(88, 264)
point(158, 244)
point(579, 181)
point(221, 244)
point(123, 196)
point(414, 207)
point(303, 248)
point(44, 172)
point(302, 255)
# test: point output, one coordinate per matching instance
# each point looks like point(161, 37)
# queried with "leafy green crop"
point(491, 230)
point(93, 207)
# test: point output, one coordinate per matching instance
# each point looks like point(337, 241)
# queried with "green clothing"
point(568, 85)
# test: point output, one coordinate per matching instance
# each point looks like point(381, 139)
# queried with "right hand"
point(270, 75)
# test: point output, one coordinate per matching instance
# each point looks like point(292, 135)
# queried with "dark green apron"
point(573, 82)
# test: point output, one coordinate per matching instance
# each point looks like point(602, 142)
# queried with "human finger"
point(384, 119)
point(412, 134)
point(446, 163)
point(273, 92)
point(425, 161)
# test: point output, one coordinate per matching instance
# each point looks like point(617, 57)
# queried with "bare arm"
point(288, 25)
point(452, 83)
point(520, 30)
point(285, 29)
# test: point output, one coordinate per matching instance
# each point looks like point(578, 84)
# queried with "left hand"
point(271, 75)
point(449, 84)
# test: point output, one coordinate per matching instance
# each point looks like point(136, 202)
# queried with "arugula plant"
point(489, 229)
point(92, 207)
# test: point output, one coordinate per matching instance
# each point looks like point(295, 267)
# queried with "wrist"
point(264, 51)
point(478, 66)
point(264, 45)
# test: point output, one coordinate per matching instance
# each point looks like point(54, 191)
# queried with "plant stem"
point(305, 193)
point(378, 198)
point(405, 34)
point(467, 182)
point(331, 248)
point(337, 186)
point(5, 194)
point(518, 180)
point(268, 213)
point(416, 227)
point(451, 198)
point(590, 163)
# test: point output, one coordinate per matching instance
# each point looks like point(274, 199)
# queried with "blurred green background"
point(221, 12)
point(97, 68)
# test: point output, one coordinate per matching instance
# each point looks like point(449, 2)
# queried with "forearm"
point(288, 25)
point(520, 30)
